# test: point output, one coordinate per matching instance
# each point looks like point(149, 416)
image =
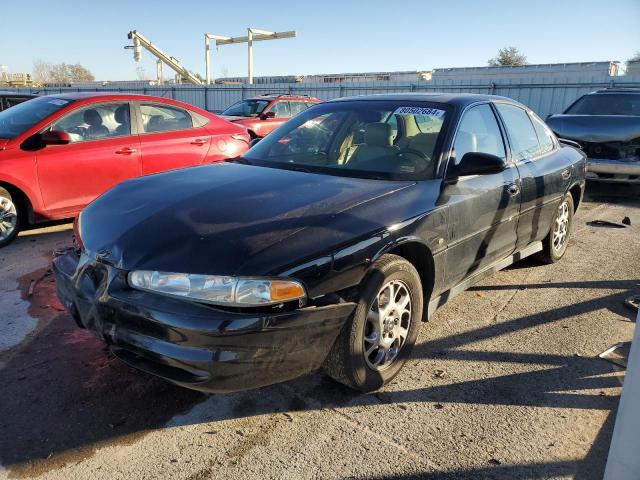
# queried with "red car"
point(261, 115)
point(59, 152)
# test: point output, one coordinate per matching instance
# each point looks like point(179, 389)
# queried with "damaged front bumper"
point(191, 344)
point(613, 170)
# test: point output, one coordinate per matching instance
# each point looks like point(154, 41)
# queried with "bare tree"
point(508, 56)
point(60, 73)
point(634, 58)
point(40, 71)
point(78, 73)
point(141, 74)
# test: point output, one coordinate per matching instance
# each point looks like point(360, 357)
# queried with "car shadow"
point(64, 395)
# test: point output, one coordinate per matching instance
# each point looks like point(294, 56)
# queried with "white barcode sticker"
point(430, 112)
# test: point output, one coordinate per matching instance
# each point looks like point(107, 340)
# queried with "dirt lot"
point(505, 383)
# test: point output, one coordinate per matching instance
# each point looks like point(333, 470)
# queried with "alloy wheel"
point(387, 325)
point(561, 227)
point(8, 218)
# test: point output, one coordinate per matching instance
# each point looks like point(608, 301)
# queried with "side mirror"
point(55, 137)
point(476, 163)
point(264, 116)
point(253, 141)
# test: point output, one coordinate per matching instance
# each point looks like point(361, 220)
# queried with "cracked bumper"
point(190, 344)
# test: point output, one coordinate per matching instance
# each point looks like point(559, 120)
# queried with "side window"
point(545, 137)
point(428, 124)
point(479, 132)
point(281, 109)
point(12, 101)
point(96, 122)
point(164, 118)
point(393, 121)
point(297, 107)
point(523, 138)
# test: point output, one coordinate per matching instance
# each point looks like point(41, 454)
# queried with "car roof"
point(282, 96)
point(456, 99)
point(628, 90)
point(16, 94)
point(84, 95)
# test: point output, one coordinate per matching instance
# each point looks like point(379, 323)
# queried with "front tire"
point(378, 338)
point(555, 244)
point(9, 218)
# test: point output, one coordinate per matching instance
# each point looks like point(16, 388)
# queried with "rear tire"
point(555, 244)
point(378, 338)
point(9, 218)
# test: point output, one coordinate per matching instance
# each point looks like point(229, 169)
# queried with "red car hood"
point(3, 143)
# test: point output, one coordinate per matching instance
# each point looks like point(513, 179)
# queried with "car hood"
point(596, 128)
point(218, 219)
point(3, 143)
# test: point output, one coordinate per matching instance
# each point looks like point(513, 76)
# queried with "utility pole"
point(159, 71)
point(253, 35)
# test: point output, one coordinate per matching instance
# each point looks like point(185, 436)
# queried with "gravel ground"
point(505, 383)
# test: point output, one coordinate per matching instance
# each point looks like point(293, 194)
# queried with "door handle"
point(566, 174)
point(199, 141)
point(126, 151)
point(513, 189)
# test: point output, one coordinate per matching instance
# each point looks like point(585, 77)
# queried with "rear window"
point(606, 104)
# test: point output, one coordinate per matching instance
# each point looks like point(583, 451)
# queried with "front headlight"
point(219, 290)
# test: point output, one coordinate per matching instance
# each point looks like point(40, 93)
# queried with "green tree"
point(508, 56)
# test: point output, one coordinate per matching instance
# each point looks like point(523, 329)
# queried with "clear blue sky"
point(333, 36)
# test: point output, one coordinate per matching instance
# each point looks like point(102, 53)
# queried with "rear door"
point(103, 152)
point(171, 137)
point(483, 208)
point(544, 171)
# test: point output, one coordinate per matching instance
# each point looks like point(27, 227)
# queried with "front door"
point(483, 209)
point(102, 153)
point(267, 124)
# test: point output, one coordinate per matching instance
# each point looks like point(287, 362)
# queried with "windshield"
point(606, 104)
point(20, 118)
point(369, 139)
point(246, 108)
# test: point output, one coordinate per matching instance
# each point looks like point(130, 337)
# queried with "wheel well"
point(575, 194)
point(421, 258)
point(20, 198)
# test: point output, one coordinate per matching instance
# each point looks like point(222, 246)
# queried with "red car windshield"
point(18, 119)
point(246, 108)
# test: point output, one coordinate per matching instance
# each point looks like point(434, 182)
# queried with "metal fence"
point(544, 96)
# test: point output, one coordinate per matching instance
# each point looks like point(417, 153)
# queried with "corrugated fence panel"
point(544, 95)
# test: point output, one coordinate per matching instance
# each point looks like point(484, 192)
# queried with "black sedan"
point(327, 244)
